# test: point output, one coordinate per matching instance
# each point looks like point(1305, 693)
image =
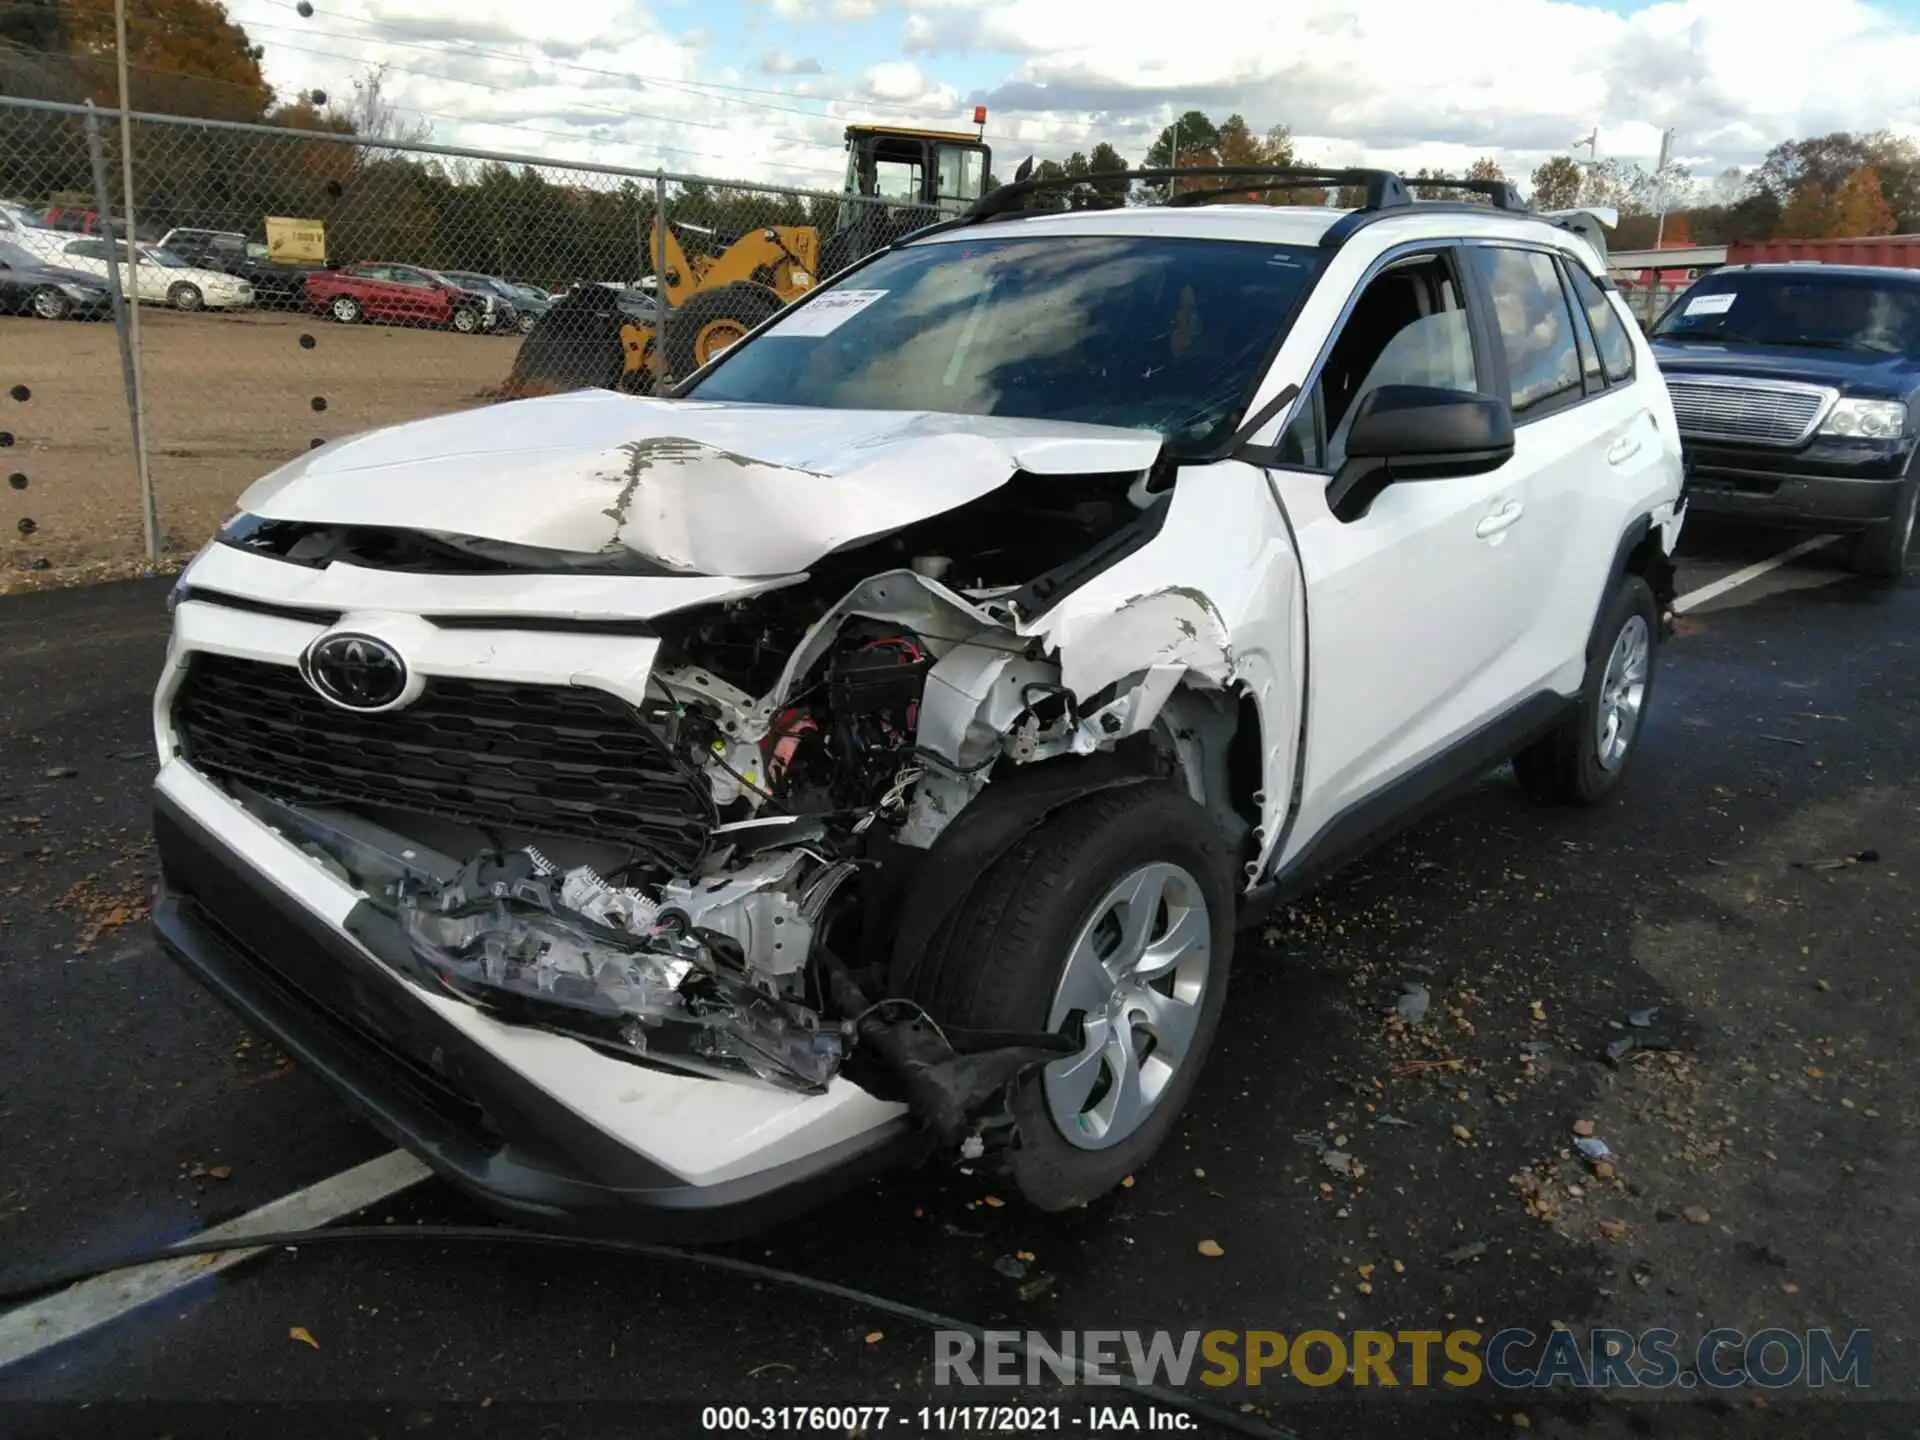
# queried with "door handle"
point(1623, 451)
point(1499, 520)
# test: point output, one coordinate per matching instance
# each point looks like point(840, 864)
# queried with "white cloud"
point(776, 62)
point(1400, 82)
point(896, 80)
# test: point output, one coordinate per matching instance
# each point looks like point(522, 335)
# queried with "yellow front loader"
point(717, 288)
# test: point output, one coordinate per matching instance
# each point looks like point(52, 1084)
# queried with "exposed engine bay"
point(832, 726)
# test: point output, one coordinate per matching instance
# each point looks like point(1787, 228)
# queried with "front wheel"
point(527, 321)
point(50, 304)
point(1114, 918)
point(1584, 757)
point(1881, 550)
point(466, 321)
point(346, 309)
point(185, 297)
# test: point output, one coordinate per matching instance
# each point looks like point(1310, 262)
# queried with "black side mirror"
point(1418, 432)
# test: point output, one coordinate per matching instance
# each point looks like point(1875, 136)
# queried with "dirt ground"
point(228, 398)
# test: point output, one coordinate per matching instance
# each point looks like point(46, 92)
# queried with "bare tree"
point(372, 114)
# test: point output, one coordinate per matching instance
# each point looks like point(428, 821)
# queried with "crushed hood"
point(708, 489)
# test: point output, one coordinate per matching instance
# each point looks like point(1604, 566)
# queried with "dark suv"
point(1795, 387)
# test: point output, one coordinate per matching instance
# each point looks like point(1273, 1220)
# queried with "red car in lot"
point(399, 295)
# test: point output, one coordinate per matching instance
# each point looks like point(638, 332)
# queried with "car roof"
point(1895, 273)
point(1274, 224)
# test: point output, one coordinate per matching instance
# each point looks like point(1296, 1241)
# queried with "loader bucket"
point(595, 338)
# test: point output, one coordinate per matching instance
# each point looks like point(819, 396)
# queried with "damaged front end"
point(723, 863)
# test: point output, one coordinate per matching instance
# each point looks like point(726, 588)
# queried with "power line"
point(624, 115)
point(694, 86)
point(295, 133)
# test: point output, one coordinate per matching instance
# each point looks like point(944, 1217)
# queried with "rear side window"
point(1536, 329)
point(1616, 349)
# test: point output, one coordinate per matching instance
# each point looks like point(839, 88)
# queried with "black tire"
point(346, 309)
point(1881, 550)
point(999, 961)
point(50, 304)
point(466, 320)
point(710, 315)
point(526, 322)
point(186, 297)
point(1565, 767)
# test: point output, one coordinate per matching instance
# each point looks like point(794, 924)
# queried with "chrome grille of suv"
point(558, 760)
point(1759, 412)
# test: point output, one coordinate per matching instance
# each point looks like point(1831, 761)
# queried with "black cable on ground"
point(15, 1292)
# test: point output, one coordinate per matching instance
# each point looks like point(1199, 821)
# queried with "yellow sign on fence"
point(296, 241)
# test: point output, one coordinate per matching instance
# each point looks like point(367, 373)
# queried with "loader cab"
point(935, 170)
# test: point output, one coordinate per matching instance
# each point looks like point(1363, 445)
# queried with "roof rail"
point(1385, 190)
point(1501, 192)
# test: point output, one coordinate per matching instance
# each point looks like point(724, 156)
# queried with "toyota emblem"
point(355, 672)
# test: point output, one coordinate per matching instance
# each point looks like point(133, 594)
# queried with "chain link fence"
point(295, 286)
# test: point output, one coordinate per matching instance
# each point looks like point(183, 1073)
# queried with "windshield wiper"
point(1714, 336)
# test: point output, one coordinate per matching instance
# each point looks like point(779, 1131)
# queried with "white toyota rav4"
point(873, 751)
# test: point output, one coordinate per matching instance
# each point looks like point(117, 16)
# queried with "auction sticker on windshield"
point(826, 313)
point(1711, 304)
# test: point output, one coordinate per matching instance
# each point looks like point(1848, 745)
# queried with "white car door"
point(1573, 435)
point(1413, 608)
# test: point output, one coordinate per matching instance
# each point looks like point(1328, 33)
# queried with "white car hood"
point(706, 489)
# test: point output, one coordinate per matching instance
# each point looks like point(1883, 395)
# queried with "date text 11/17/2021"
point(942, 1419)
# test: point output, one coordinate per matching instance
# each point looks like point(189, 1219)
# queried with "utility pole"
point(1660, 225)
point(1660, 185)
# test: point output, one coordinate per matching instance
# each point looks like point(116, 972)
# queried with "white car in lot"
point(690, 805)
point(163, 277)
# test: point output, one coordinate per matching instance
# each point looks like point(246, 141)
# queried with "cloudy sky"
point(763, 88)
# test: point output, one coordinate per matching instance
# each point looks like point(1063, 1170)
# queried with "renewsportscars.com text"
point(1513, 1359)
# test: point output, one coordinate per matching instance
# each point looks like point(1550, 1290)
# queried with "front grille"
point(552, 759)
point(1759, 412)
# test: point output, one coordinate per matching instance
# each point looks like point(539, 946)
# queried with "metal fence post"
point(660, 376)
point(129, 364)
point(149, 518)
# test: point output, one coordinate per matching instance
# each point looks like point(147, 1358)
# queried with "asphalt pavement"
point(1718, 913)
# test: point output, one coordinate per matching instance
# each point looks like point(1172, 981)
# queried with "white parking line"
point(30, 1329)
point(1753, 572)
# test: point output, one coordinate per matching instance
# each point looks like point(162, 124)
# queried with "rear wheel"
point(50, 304)
point(1584, 757)
point(1115, 916)
point(185, 296)
point(1882, 549)
point(346, 309)
point(711, 321)
point(527, 321)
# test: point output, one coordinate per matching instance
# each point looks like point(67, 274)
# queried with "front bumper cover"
point(431, 1087)
point(1845, 484)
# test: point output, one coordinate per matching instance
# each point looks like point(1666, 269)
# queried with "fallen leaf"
point(1539, 1011)
point(993, 1202)
point(1026, 1255)
point(1613, 1229)
point(1211, 1249)
point(1695, 1215)
point(874, 1337)
point(299, 1332)
point(1460, 1132)
point(1127, 1184)
point(1583, 1127)
point(221, 1172)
